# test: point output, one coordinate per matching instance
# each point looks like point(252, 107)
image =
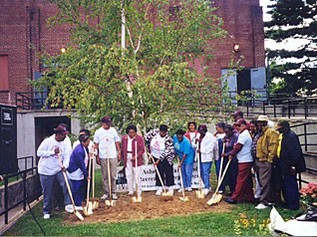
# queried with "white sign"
point(148, 178)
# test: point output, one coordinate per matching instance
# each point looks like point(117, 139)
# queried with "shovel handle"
point(221, 161)
point(181, 178)
point(66, 181)
point(109, 179)
point(158, 174)
point(223, 176)
point(88, 185)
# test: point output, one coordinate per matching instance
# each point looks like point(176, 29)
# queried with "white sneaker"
point(189, 189)
point(130, 193)
point(206, 191)
point(159, 191)
point(171, 190)
point(104, 197)
point(180, 190)
point(114, 196)
point(78, 208)
point(69, 208)
point(261, 206)
point(46, 216)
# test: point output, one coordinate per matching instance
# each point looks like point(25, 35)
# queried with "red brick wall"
point(23, 22)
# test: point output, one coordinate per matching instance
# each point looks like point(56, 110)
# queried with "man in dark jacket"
point(291, 162)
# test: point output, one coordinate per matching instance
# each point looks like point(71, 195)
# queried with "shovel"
point(110, 202)
point(183, 198)
point(138, 197)
point(199, 193)
point(165, 192)
point(95, 202)
point(216, 197)
point(76, 213)
point(88, 208)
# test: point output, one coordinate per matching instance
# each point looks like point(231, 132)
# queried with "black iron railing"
point(26, 197)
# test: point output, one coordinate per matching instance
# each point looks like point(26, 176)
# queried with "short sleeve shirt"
point(107, 138)
point(244, 155)
point(184, 147)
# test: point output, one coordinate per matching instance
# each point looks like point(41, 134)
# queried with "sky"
point(271, 44)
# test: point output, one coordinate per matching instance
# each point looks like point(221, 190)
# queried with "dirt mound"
point(151, 207)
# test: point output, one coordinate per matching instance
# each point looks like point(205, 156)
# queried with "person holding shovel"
point(77, 170)
point(107, 143)
point(130, 142)
point(208, 149)
point(162, 150)
point(186, 153)
point(50, 168)
point(242, 151)
point(230, 178)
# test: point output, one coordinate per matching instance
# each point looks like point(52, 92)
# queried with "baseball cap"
point(282, 123)
point(106, 119)
point(263, 118)
point(60, 129)
point(240, 121)
point(238, 113)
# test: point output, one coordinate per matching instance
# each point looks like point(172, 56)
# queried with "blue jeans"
point(47, 182)
point(187, 171)
point(217, 166)
point(205, 173)
point(77, 191)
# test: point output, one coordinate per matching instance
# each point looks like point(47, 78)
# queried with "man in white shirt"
point(50, 169)
point(107, 143)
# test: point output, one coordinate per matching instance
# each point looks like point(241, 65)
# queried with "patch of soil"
point(151, 207)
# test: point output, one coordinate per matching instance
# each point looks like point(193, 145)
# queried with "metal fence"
point(26, 196)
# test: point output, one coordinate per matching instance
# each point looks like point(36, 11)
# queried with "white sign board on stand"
point(148, 178)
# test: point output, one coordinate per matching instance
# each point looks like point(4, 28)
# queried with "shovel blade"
point(136, 199)
point(184, 199)
point(200, 194)
point(95, 205)
point(215, 199)
point(78, 215)
point(110, 203)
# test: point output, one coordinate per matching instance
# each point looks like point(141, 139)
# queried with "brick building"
point(24, 33)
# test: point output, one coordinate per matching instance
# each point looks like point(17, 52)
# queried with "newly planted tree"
point(133, 60)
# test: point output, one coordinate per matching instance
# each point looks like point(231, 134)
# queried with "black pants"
point(166, 172)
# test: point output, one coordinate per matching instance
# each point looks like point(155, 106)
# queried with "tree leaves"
point(150, 81)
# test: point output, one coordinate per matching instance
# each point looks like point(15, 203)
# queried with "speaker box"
point(8, 139)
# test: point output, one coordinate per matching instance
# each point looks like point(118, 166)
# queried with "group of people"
point(273, 153)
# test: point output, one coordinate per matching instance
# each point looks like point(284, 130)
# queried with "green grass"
point(243, 219)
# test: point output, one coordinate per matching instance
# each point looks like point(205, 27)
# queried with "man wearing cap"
point(107, 143)
point(50, 168)
point(242, 150)
point(264, 147)
point(291, 161)
point(237, 115)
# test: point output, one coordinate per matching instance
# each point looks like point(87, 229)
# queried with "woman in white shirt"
point(162, 150)
point(207, 148)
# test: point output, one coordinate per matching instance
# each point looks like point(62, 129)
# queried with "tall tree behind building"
point(296, 68)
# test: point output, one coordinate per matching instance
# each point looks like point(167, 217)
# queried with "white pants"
point(130, 173)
